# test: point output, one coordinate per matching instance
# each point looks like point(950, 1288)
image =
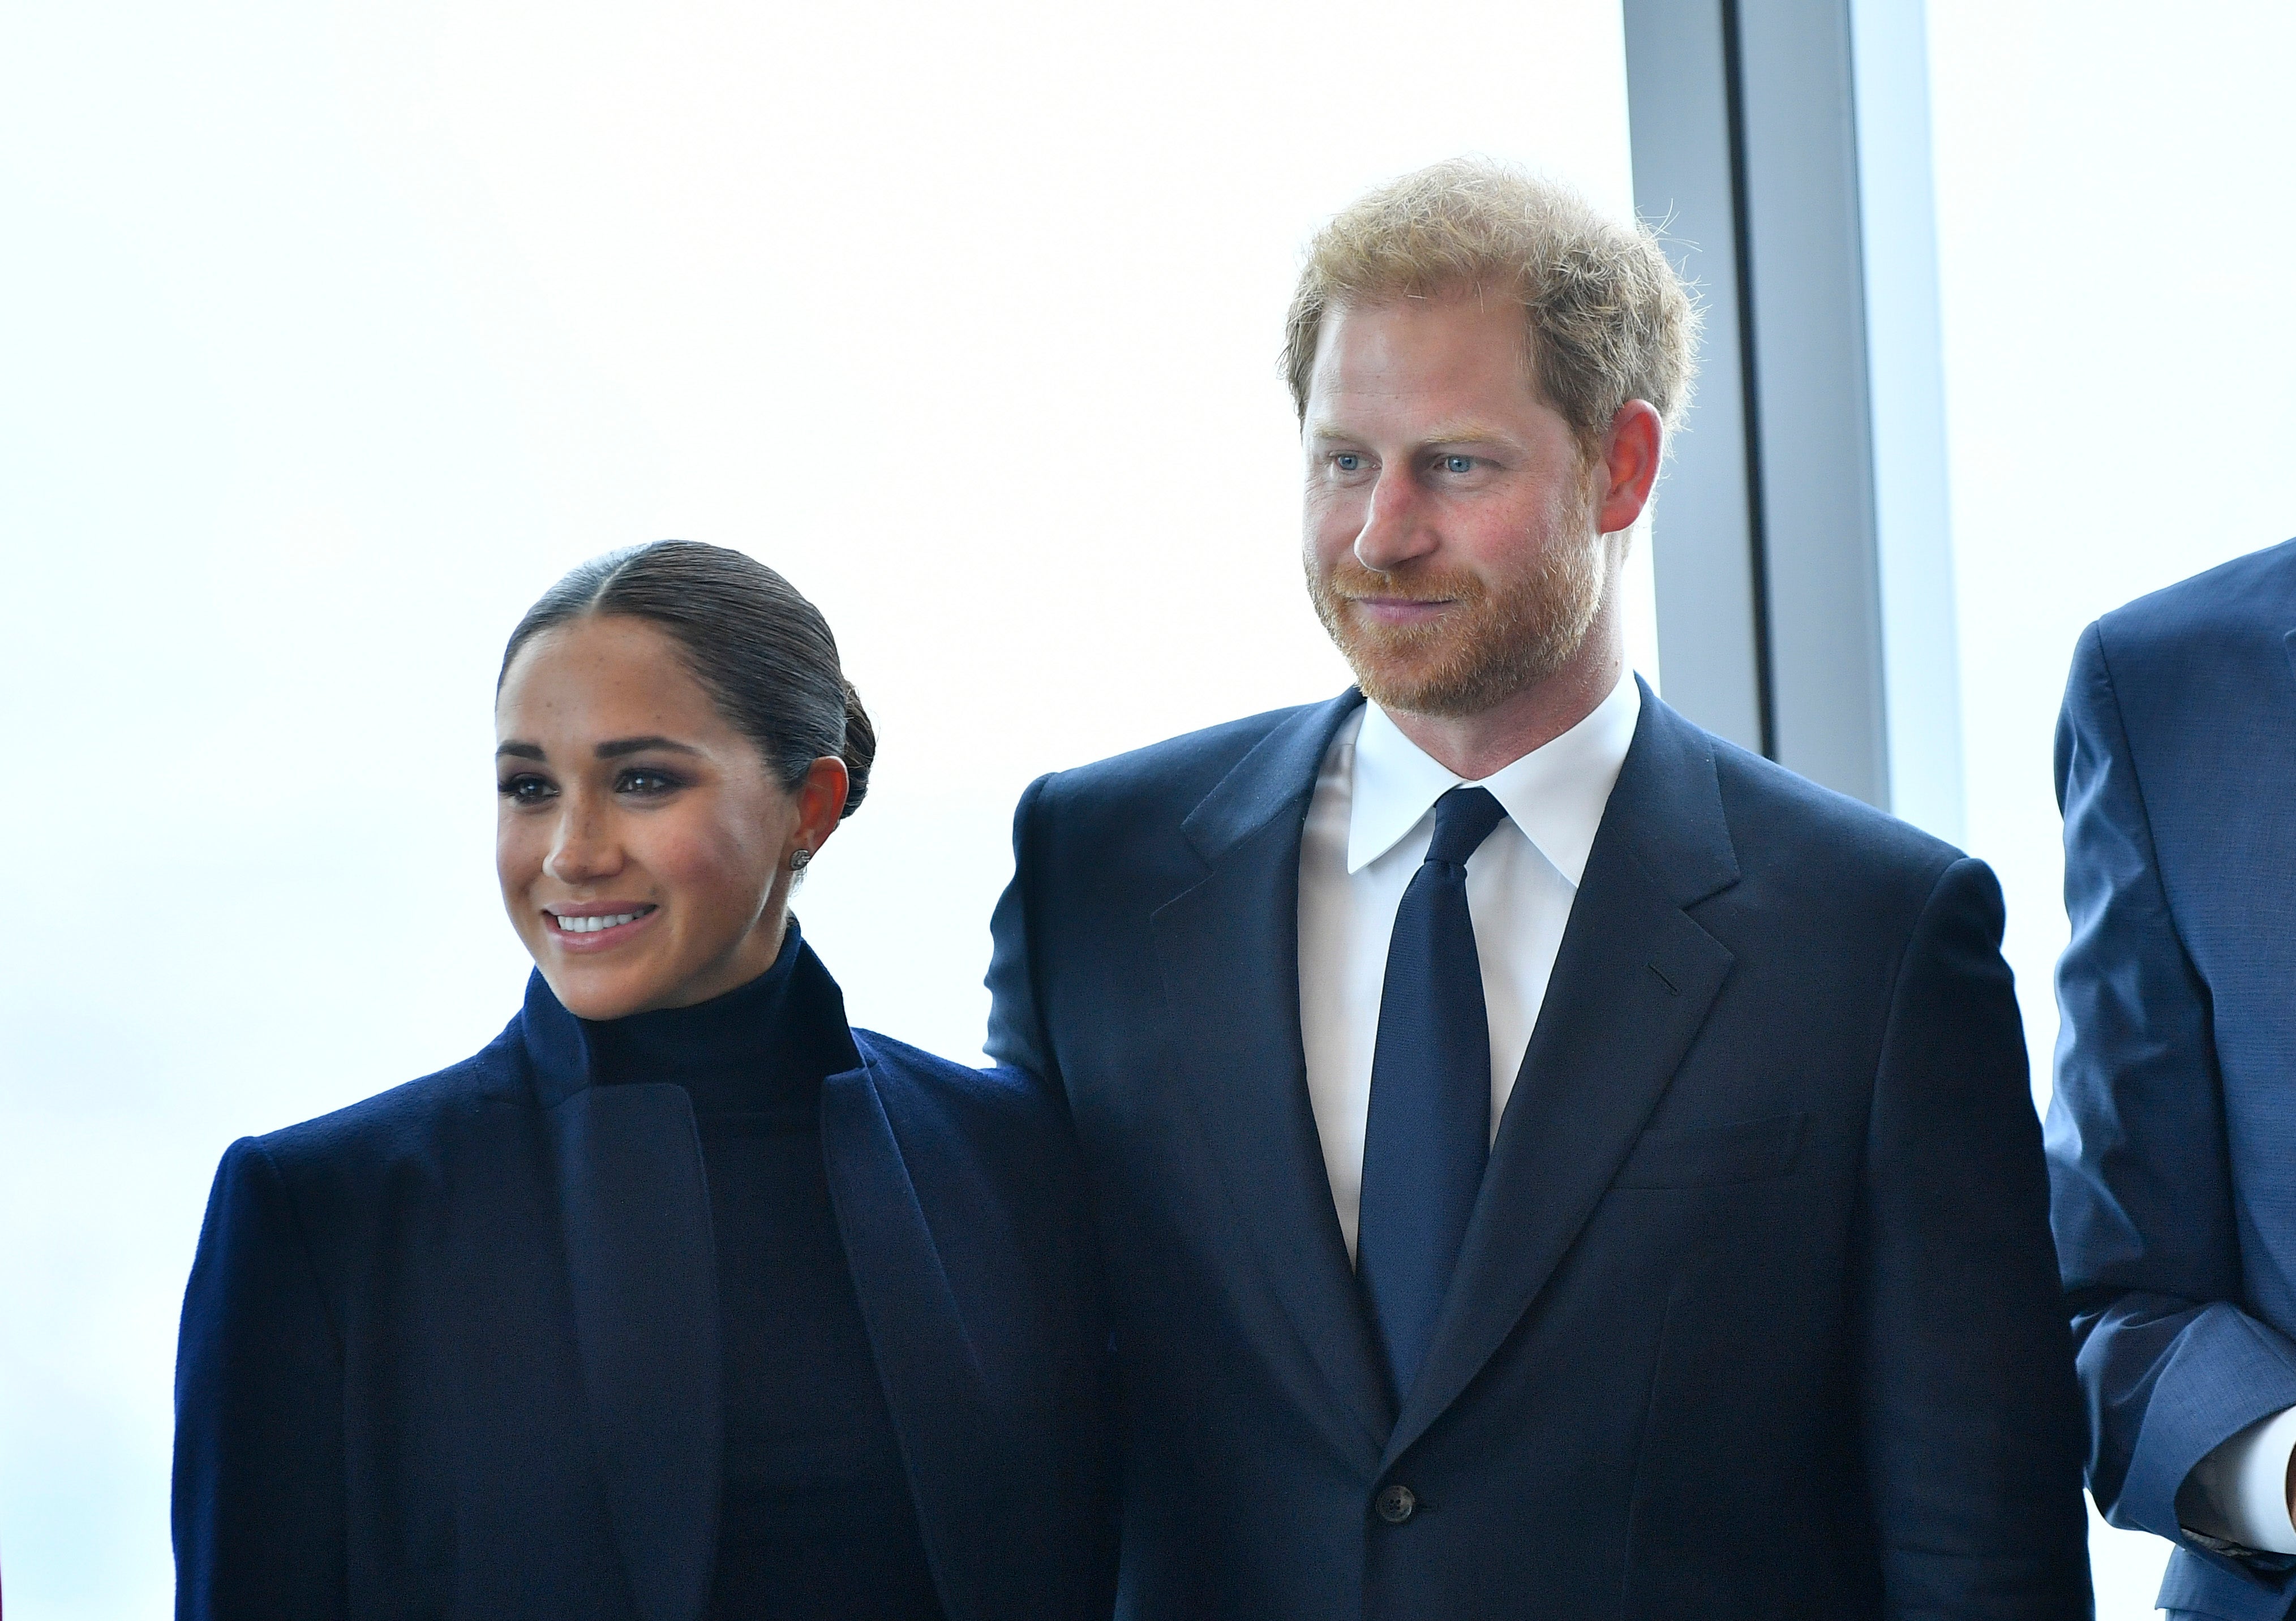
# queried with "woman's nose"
point(584, 850)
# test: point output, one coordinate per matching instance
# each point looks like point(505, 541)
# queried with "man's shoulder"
point(1175, 772)
point(2250, 597)
point(2180, 665)
point(1781, 820)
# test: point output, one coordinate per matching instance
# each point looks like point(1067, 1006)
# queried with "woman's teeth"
point(592, 925)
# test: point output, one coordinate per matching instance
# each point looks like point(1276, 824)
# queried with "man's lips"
point(1402, 610)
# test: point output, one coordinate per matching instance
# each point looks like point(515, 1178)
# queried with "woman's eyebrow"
point(622, 746)
point(524, 752)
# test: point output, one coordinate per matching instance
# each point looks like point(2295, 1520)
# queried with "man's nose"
point(1396, 528)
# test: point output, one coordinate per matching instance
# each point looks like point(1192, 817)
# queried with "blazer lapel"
point(643, 1266)
point(1632, 984)
point(932, 1382)
point(1228, 952)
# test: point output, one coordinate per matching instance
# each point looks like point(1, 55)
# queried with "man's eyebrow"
point(622, 746)
point(523, 751)
point(1465, 432)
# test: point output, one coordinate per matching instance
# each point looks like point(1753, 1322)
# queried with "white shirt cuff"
point(2239, 1493)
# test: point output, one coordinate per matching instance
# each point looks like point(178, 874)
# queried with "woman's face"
point(643, 846)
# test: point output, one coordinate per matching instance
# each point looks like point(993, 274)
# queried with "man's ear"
point(1632, 445)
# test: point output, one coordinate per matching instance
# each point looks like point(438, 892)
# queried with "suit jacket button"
point(1397, 1503)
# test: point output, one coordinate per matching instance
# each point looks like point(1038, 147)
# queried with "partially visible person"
point(2172, 1132)
point(1552, 1163)
point(681, 1299)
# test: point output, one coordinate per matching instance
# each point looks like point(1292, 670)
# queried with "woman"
point(681, 1299)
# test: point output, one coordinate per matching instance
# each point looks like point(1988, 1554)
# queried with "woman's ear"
point(820, 805)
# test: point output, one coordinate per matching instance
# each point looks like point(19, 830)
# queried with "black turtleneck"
point(817, 1523)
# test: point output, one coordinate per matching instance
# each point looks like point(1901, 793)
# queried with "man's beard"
point(1491, 644)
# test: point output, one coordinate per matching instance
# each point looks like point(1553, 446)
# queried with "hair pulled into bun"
point(859, 750)
point(762, 652)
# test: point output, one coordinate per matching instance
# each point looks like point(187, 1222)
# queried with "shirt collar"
point(1556, 794)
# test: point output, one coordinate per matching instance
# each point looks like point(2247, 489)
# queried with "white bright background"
point(2115, 234)
point(330, 334)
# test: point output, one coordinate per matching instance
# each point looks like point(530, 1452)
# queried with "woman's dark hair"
point(759, 648)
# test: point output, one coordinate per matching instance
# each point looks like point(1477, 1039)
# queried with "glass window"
point(2112, 185)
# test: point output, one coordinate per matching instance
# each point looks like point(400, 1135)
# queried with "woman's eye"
point(646, 784)
point(524, 789)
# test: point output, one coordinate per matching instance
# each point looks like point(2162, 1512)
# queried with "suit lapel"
point(643, 1268)
point(1228, 953)
point(933, 1384)
point(1631, 986)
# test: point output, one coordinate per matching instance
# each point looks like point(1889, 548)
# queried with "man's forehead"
point(1396, 349)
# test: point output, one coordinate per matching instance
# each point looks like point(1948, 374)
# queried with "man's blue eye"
point(1346, 461)
point(1458, 464)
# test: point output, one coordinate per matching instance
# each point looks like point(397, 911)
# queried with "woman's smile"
point(589, 926)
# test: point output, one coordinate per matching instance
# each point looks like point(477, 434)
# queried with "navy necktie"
point(1428, 1130)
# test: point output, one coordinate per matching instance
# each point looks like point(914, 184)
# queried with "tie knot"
point(1463, 818)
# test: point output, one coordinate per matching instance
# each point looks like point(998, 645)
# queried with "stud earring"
point(798, 859)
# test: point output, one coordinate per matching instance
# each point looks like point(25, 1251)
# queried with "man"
point(2171, 1130)
point(1551, 1163)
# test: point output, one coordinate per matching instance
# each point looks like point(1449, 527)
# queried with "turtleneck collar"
point(765, 1045)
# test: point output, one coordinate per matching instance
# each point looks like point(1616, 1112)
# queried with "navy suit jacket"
point(2172, 1134)
point(453, 1352)
point(1757, 1315)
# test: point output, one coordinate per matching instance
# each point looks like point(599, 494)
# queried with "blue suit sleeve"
point(1016, 1024)
point(1971, 1424)
point(2141, 1199)
point(258, 1507)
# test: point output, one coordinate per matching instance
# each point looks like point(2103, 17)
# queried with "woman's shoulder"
point(997, 1087)
point(419, 1119)
point(388, 1183)
point(990, 1155)
point(997, 1106)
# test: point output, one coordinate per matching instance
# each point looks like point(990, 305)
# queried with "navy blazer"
point(1757, 1315)
point(2172, 1134)
point(452, 1351)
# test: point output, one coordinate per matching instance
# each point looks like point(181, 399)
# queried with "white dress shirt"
point(1368, 829)
point(2239, 1492)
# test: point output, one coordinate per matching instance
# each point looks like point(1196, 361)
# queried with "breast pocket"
point(1709, 1155)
